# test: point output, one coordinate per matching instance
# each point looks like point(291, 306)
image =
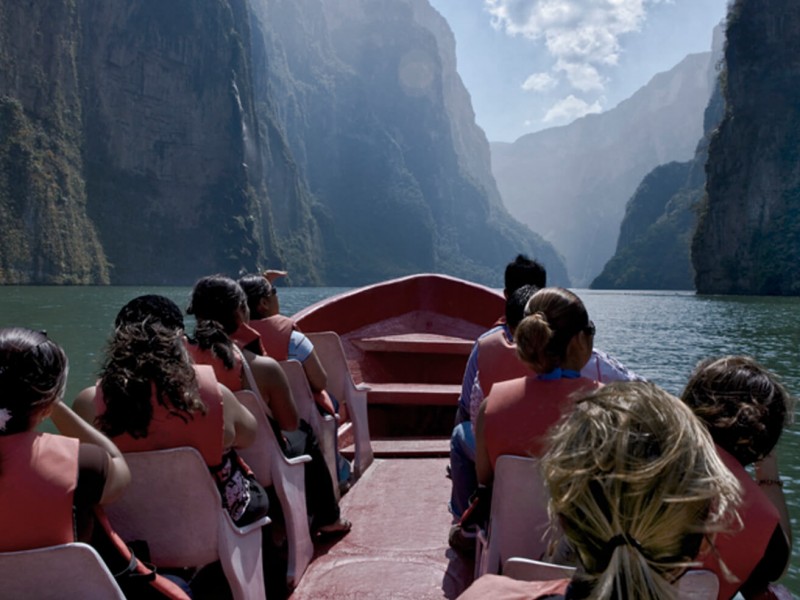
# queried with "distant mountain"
point(748, 234)
point(571, 183)
point(154, 142)
point(653, 249)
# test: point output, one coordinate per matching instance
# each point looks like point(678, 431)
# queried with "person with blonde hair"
point(745, 408)
point(636, 486)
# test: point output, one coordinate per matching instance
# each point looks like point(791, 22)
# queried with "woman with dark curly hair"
point(745, 408)
point(151, 397)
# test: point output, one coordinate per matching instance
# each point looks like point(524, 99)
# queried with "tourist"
point(554, 339)
point(150, 397)
point(636, 486)
point(45, 478)
point(220, 306)
point(282, 340)
point(53, 487)
point(745, 408)
point(494, 358)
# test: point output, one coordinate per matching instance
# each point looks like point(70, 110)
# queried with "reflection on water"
point(660, 335)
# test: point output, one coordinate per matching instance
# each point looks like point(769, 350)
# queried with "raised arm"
point(70, 424)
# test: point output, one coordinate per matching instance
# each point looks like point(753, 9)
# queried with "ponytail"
point(211, 335)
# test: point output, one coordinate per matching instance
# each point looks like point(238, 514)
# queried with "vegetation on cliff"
point(159, 141)
point(748, 235)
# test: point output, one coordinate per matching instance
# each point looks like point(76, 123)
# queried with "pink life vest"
point(204, 432)
point(246, 335)
point(230, 378)
point(520, 412)
point(742, 550)
point(498, 361)
point(38, 477)
point(275, 332)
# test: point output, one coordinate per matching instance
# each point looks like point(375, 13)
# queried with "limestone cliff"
point(154, 142)
point(748, 235)
point(168, 118)
point(653, 250)
point(368, 98)
point(571, 183)
point(45, 234)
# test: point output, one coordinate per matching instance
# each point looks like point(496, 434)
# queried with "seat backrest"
point(65, 572)
point(693, 585)
point(328, 347)
point(527, 569)
point(287, 475)
point(698, 585)
point(258, 454)
point(330, 351)
point(518, 520)
point(324, 426)
point(173, 504)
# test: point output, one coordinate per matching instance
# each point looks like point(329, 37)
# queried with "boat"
point(406, 342)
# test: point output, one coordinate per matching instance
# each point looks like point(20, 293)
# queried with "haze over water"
point(660, 335)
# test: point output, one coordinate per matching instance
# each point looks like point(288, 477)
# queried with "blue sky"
point(533, 64)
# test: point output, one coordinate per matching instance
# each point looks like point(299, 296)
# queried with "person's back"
point(745, 408)
point(612, 462)
point(554, 340)
point(150, 397)
point(220, 306)
point(46, 478)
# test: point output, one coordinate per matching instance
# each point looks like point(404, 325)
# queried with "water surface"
point(660, 335)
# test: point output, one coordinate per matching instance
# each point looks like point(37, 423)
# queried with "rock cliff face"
point(748, 235)
point(167, 140)
point(571, 183)
point(168, 113)
point(45, 234)
point(653, 250)
point(381, 127)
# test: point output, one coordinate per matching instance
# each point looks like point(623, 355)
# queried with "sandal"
point(338, 527)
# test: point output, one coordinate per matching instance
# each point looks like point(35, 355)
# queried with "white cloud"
point(582, 76)
point(539, 82)
point(582, 36)
point(569, 109)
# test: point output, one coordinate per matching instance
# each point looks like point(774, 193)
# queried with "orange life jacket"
point(230, 378)
point(38, 477)
point(275, 332)
point(498, 361)
point(246, 335)
point(741, 551)
point(519, 413)
point(201, 431)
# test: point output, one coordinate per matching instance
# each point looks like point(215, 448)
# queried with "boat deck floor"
point(404, 448)
point(397, 548)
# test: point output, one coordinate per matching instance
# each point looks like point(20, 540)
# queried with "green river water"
point(660, 335)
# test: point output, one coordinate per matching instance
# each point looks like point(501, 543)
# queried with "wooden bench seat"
point(418, 343)
point(413, 394)
point(405, 448)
